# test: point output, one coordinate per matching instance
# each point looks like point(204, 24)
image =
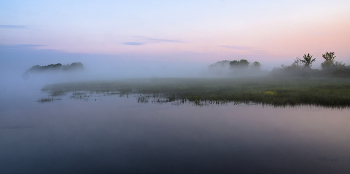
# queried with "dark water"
point(119, 135)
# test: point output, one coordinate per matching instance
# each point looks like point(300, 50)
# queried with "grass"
point(277, 92)
point(45, 100)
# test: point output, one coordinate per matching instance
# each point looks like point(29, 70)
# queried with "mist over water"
point(103, 132)
point(16, 59)
point(174, 87)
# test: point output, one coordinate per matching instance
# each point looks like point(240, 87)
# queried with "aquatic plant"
point(330, 92)
point(270, 93)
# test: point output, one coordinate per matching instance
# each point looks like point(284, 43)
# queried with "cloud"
point(162, 40)
point(158, 40)
point(14, 26)
point(141, 40)
point(238, 47)
point(20, 46)
point(133, 43)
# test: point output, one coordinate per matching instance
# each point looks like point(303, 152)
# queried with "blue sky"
point(206, 31)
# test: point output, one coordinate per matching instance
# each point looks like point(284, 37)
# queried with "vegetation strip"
point(277, 92)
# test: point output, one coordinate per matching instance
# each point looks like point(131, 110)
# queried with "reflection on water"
point(141, 98)
point(103, 132)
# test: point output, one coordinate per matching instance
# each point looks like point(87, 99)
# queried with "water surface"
point(111, 134)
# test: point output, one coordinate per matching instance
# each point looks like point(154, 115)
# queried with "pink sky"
point(207, 31)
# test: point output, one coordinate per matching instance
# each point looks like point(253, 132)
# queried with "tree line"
point(236, 64)
point(302, 67)
point(58, 66)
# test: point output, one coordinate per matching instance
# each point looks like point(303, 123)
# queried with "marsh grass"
point(277, 92)
point(46, 100)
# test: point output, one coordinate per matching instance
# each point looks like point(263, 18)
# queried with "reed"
point(330, 92)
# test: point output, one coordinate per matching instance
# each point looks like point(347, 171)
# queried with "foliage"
point(294, 70)
point(239, 64)
point(220, 68)
point(328, 56)
point(256, 65)
point(236, 68)
point(308, 60)
point(220, 64)
point(270, 93)
point(330, 92)
point(330, 68)
point(329, 60)
point(58, 66)
point(296, 63)
point(338, 69)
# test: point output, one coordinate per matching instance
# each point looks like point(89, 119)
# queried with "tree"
point(256, 65)
point(308, 60)
point(234, 63)
point(244, 63)
point(239, 64)
point(222, 63)
point(296, 63)
point(329, 60)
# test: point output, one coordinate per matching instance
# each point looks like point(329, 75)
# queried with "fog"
point(17, 59)
point(93, 132)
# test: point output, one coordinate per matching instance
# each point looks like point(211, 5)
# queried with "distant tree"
point(296, 63)
point(244, 63)
point(234, 63)
point(308, 60)
point(329, 56)
point(239, 64)
point(256, 65)
point(57, 66)
point(220, 64)
point(329, 60)
point(330, 67)
point(220, 67)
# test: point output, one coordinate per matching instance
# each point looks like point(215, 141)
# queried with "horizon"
point(173, 33)
point(134, 86)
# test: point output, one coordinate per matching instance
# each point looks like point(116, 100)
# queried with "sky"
point(173, 31)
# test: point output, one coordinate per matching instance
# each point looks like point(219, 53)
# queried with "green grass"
point(277, 92)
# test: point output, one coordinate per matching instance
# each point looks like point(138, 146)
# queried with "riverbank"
point(328, 92)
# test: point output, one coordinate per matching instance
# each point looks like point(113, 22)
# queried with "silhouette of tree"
point(296, 63)
point(244, 63)
point(239, 64)
point(256, 65)
point(329, 60)
point(308, 60)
